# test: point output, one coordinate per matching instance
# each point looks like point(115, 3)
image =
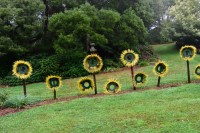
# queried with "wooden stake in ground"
point(132, 74)
point(188, 71)
point(95, 83)
point(54, 92)
point(158, 85)
point(24, 85)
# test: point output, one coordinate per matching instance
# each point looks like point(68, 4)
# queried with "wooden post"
point(54, 91)
point(132, 74)
point(95, 84)
point(158, 85)
point(188, 71)
point(24, 85)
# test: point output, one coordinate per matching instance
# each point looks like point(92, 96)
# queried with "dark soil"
point(6, 111)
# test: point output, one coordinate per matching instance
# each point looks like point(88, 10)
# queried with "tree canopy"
point(186, 17)
point(50, 32)
point(110, 31)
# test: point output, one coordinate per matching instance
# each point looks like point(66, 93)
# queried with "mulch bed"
point(6, 111)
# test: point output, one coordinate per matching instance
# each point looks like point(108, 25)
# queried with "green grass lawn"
point(169, 110)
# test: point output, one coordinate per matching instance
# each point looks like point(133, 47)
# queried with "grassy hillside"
point(168, 110)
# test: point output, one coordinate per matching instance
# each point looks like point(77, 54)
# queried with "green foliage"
point(186, 17)
point(185, 40)
point(17, 102)
point(8, 46)
point(143, 63)
point(3, 97)
point(144, 10)
point(132, 30)
point(70, 31)
point(106, 28)
point(44, 65)
point(11, 80)
point(20, 22)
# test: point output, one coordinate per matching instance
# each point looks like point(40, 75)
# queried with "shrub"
point(143, 63)
point(188, 40)
point(11, 80)
point(16, 102)
point(3, 97)
point(44, 65)
point(147, 53)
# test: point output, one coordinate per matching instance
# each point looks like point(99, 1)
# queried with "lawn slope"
point(174, 109)
point(168, 110)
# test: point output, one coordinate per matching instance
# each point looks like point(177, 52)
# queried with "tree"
point(145, 12)
point(161, 28)
point(186, 17)
point(110, 31)
point(21, 24)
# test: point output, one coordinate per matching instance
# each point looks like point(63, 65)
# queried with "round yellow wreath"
point(116, 85)
point(129, 53)
point(48, 78)
point(90, 84)
point(194, 50)
point(93, 69)
point(161, 74)
point(16, 72)
point(143, 79)
point(196, 71)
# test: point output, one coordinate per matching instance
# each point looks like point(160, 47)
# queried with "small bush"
point(3, 97)
point(17, 102)
point(143, 63)
point(188, 40)
point(147, 53)
point(11, 80)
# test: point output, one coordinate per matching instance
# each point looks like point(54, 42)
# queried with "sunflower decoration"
point(129, 58)
point(22, 69)
point(197, 71)
point(53, 82)
point(160, 68)
point(93, 63)
point(140, 79)
point(112, 86)
point(86, 84)
point(188, 52)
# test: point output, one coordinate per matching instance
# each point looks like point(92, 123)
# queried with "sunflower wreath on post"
point(112, 86)
point(86, 84)
point(140, 79)
point(188, 53)
point(53, 83)
point(197, 71)
point(93, 64)
point(160, 69)
point(129, 58)
point(23, 70)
